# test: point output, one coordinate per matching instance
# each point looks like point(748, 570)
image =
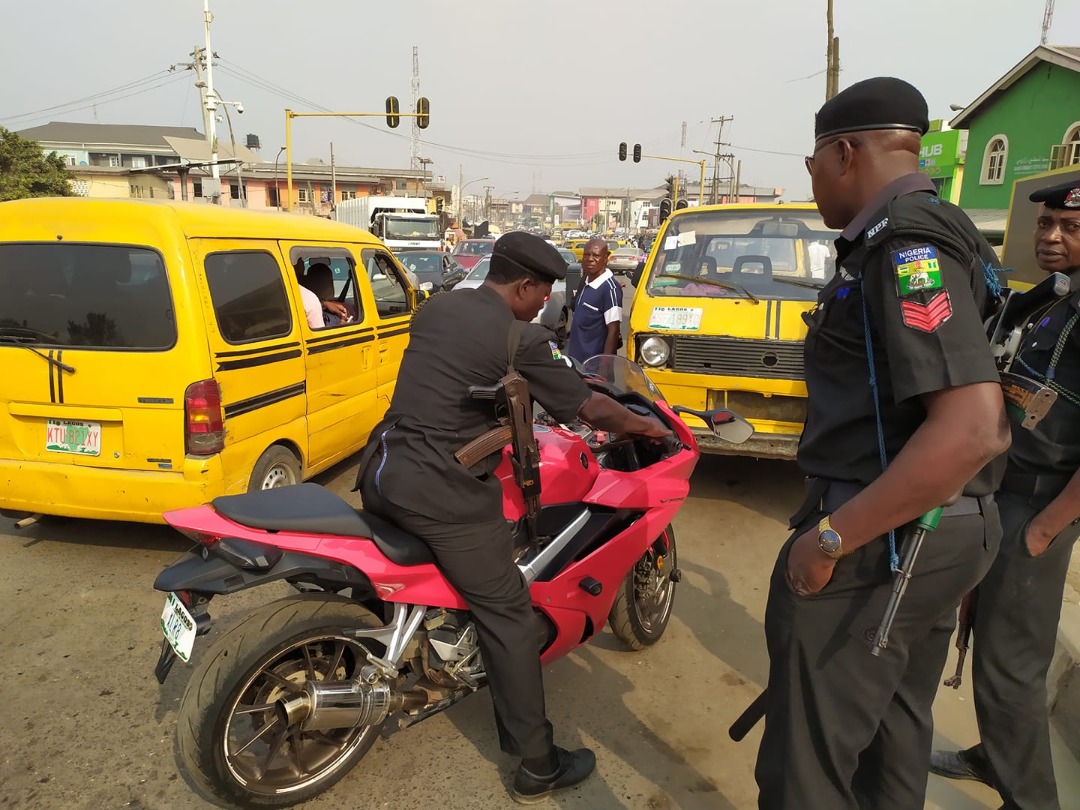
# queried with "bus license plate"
point(79, 438)
point(178, 626)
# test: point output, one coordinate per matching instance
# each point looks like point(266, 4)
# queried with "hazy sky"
point(534, 95)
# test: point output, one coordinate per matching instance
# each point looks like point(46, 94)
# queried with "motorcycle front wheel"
point(233, 744)
point(642, 608)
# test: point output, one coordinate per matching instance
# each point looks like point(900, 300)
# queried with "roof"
point(197, 150)
point(537, 199)
point(1066, 57)
point(111, 134)
point(85, 216)
point(324, 172)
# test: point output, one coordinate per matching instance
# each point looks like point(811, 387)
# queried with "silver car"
point(555, 315)
point(625, 259)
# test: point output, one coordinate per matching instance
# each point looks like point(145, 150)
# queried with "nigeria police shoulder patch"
point(917, 270)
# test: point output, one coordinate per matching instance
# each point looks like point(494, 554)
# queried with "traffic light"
point(622, 151)
point(681, 204)
point(665, 209)
point(423, 112)
point(393, 112)
point(439, 202)
point(669, 186)
point(637, 153)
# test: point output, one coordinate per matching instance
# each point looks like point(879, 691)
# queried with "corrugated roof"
point(1064, 56)
point(101, 134)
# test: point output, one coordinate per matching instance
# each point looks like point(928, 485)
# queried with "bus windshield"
point(744, 253)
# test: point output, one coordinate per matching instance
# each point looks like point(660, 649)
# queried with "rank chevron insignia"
point(929, 316)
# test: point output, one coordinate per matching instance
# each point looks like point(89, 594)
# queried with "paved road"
point(83, 723)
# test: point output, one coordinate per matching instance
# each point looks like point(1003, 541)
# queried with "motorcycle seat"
point(313, 509)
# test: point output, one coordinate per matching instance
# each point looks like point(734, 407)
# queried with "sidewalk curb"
point(1063, 679)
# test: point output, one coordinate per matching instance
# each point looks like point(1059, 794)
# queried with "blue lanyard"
point(894, 558)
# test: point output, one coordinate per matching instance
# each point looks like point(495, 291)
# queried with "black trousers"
point(477, 559)
point(1019, 605)
point(845, 729)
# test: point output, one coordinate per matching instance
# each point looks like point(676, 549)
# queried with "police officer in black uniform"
point(1019, 602)
point(904, 412)
point(409, 474)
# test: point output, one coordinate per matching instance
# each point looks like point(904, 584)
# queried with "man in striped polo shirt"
point(598, 309)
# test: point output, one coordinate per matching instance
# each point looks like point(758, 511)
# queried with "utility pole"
point(716, 157)
point(211, 103)
point(460, 196)
point(197, 56)
point(333, 179)
point(832, 57)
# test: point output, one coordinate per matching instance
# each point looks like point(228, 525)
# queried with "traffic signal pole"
point(675, 191)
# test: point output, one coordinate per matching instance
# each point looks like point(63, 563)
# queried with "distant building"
point(942, 158)
point(150, 162)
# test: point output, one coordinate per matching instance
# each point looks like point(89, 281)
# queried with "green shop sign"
point(940, 153)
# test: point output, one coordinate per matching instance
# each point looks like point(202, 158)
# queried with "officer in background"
point(1019, 602)
point(904, 412)
point(409, 475)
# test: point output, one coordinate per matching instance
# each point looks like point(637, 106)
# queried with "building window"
point(114, 161)
point(138, 162)
point(348, 195)
point(402, 185)
point(234, 191)
point(197, 188)
point(303, 195)
point(1071, 143)
point(272, 197)
point(997, 152)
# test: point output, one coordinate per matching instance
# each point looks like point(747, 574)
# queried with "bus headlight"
point(655, 351)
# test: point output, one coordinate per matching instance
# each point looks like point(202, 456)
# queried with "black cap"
point(1063, 195)
point(530, 253)
point(880, 103)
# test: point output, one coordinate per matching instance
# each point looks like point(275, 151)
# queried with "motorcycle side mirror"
point(723, 423)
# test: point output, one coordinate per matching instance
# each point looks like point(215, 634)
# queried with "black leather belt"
point(827, 495)
point(1034, 486)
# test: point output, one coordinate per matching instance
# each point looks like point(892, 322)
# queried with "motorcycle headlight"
point(655, 351)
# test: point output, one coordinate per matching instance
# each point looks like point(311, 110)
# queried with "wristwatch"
point(828, 540)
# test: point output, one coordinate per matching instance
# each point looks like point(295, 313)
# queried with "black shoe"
point(968, 764)
point(574, 768)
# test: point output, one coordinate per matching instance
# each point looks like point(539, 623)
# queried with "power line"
point(575, 159)
point(44, 113)
point(95, 96)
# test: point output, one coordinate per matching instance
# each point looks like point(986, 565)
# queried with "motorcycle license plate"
point(178, 627)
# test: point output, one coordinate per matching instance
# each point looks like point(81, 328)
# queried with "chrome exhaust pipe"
point(326, 705)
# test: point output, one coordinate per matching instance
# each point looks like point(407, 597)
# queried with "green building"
point(1028, 122)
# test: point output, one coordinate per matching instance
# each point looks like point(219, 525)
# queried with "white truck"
point(402, 223)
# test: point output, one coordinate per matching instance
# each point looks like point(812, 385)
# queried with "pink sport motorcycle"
point(288, 700)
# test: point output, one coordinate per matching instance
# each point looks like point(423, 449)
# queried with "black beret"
point(530, 253)
point(1063, 195)
point(880, 103)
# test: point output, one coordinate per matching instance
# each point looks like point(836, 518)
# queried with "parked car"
point(433, 267)
point(556, 313)
point(625, 259)
point(468, 252)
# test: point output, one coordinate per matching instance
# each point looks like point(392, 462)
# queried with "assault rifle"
point(514, 408)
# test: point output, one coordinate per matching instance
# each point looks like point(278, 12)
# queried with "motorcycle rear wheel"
point(642, 608)
point(232, 745)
